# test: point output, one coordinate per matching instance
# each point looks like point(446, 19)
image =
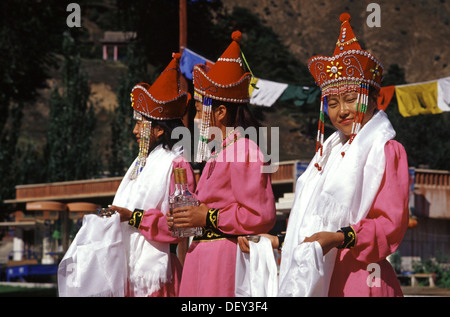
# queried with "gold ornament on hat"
point(334, 70)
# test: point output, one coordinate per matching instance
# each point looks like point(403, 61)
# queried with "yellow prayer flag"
point(417, 99)
point(251, 87)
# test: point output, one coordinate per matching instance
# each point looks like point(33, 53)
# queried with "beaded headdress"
point(164, 100)
point(349, 69)
point(226, 80)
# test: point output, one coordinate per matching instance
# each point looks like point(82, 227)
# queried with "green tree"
point(72, 121)
point(267, 56)
point(9, 163)
point(29, 31)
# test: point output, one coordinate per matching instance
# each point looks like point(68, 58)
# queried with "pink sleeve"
point(381, 232)
point(253, 208)
point(154, 225)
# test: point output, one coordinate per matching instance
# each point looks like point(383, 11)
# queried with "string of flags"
point(431, 97)
point(265, 94)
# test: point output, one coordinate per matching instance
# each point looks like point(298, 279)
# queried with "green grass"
point(17, 291)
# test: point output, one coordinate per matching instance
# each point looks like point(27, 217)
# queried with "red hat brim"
point(164, 99)
point(236, 92)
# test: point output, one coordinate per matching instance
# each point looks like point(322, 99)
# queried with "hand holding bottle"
point(190, 216)
point(180, 202)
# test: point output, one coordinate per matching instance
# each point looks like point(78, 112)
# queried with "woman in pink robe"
point(378, 236)
point(234, 192)
point(240, 199)
point(351, 206)
point(363, 270)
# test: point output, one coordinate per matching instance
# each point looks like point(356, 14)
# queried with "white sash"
point(256, 272)
point(93, 266)
point(105, 253)
point(338, 196)
point(148, 261)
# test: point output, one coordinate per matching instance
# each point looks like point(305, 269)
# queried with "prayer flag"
point(267, 93)
point(253, 86)
point(385, 97)
point(188, 60)
point(301, 94)
point(417, 99)
point(443, 91)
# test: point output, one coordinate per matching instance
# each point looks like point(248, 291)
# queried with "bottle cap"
point(176, 176)
point(182, 175)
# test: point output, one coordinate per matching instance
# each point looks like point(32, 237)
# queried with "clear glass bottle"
point(173, 196)
point(180, 198)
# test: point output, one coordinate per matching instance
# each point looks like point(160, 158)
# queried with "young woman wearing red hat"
point(351, 204)
point(128, 252)
point(142, 197)
point(236, 196)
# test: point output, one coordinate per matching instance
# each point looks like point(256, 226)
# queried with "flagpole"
point(183, 246)
point(183, 43)
point(183, 25)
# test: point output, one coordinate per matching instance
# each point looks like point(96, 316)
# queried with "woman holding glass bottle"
point(235, 196)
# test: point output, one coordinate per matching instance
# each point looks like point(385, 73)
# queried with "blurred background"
point(66, 121)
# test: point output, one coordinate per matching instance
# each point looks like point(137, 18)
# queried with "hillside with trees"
point(65, 112)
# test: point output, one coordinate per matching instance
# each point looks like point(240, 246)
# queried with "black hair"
point(166, 138)
point(373, 95)
point(238, 114)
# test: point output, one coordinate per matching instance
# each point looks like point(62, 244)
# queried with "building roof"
point(113, 37)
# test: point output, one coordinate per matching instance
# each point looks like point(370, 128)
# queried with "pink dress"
point(154, 227)
point(377, 236)
point(244, 204)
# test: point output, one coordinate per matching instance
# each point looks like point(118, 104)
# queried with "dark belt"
point(211, 234)
point(173, 248)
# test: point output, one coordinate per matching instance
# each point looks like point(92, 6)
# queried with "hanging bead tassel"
point(361, 108)
point(320, 130)
point(144, 145)
point(202, 149)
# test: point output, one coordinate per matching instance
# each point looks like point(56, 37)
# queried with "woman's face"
point(215, 116)
point(217, 119)
point(342, 111)
point(138, 129)
point(155, 131)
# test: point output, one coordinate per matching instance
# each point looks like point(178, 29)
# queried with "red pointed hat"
point(349, 67)
point(226, 80)
point(164, 99)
